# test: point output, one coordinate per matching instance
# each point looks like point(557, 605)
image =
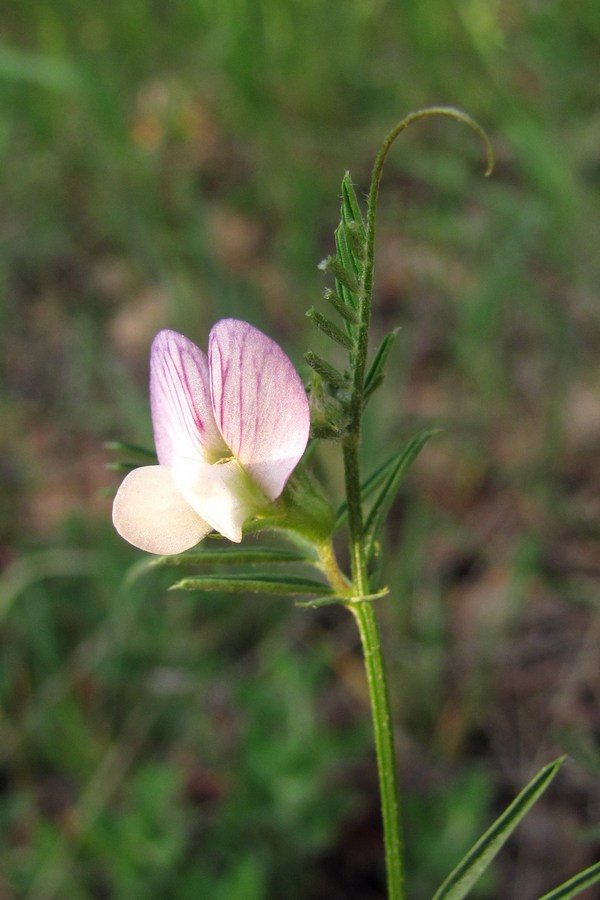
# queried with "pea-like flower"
point(229, 429)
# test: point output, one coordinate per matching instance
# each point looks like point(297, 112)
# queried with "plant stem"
point(363, 609)
point(364, 613)
point(332, 571)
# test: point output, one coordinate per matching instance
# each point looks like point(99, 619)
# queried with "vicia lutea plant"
point(231, 429)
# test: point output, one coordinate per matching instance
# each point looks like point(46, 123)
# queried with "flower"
point(229, 429)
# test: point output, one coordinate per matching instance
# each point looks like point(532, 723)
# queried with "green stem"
point(363, 610)
point(331, 570)
point(364, 613)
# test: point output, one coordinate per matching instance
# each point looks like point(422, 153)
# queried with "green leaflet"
point(387, 494)
point(347, 268)
point(243, 556)
point(331, 330)
point(347, 256)
point(355, 240)
point(226, 556)
point(329, 374)
point(351, 211)
point(341, 307)
point(376, 372)
point(575, 885)
point(256, 584)
point(460, 881)
point(336, 266)
point(370, 484)
point(350, 243)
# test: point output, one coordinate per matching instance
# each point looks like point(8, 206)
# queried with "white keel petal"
point(221, 493)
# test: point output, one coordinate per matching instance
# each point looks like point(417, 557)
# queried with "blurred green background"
point(166, 164)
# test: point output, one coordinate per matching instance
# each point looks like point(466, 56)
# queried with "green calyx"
point(302, 509)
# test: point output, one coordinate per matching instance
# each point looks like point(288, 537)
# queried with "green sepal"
point(327, 372)
point(376, 372)
point(575, 885)
point(302, 509)
point(460, 881)
point(387, 494)
point(253, 584)
point(243, 556)
point(331, 330)
point(328, 409)
point(327, 433)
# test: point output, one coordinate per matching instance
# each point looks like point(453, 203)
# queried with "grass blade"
point(460, 881)
point(575, 885)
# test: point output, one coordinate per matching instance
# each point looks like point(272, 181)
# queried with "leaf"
point(326, 371)
point(368, 486)
point(460, 881)
point(245, 556)
point(355, 239)
point(337, 267)
point(256, 584)
point(347, 265)
point(386, 496)
point(341, 307)
point(376, 371)
point(331, 330)
point(575, 885)
point(351, 211)
point(348, 258)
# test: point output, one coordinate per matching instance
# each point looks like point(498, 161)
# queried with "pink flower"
point(229, 429)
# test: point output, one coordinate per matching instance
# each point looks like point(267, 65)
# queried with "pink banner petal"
point(259, 403)
point(150, 512)
point(182, 415)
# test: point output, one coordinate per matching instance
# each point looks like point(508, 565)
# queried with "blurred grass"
point(172, 164)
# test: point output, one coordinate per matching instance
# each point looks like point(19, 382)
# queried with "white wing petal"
point(150, 512)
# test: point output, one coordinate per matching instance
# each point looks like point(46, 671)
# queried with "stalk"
point(361, 607)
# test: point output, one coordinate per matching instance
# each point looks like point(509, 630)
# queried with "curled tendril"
point(367, 283)
point(426, 113)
